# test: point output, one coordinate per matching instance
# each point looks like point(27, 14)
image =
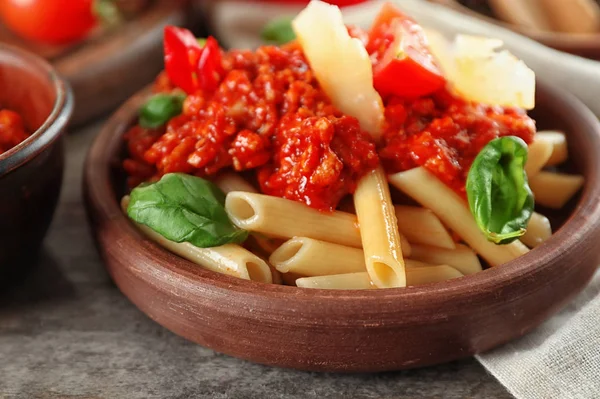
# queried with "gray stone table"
point(68, 332)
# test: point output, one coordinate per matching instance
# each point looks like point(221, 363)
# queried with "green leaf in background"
point(201, 41)
point(279, 31)
point(499, 195)
point(185, 208)
point(160, 108)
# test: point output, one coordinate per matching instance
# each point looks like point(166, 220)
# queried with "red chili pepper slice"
point(210, 69)
point(189, 65)
point(402, 61)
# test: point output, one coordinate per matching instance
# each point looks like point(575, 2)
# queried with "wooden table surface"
point(67, 332)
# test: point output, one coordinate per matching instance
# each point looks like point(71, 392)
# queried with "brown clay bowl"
point(584, 45)
point(30, 173)
point(351, 331)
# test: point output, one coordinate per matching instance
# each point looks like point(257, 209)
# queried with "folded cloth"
point(558, 360)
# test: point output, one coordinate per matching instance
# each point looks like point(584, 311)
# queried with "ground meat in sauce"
point(12, 130)
point(270, 115)
point(444, 134)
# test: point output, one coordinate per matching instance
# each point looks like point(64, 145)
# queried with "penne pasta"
point(554, 190)
point(462, 258)
point(558, 141)
point(284, 218)
point(453, 211)
point(279, 217)
point(539, 153)
point(379, 231)
point(349, 281)
point(538, 230)
point(422, 226)
point(230, 259)
point(311, 257)
point(361, 281)
point(229, 182)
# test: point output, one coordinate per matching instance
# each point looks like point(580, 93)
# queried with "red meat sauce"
point(269, 115)
point(444, 134)
point(12, 130)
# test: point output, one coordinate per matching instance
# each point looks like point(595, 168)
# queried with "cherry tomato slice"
point(49, 21)
point(402, 62)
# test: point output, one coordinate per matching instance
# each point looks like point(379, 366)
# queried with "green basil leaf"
point(184, 208)
point(279, 31)
point(498, 191)
point(160, 108)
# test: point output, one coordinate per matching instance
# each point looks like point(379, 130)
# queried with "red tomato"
point(49, 21)
point(402, 62)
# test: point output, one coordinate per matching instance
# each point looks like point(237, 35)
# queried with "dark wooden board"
point(110, 66)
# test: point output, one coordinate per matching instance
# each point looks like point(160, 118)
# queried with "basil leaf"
point(499, 195)
point(160, 108)
point(279, 31)
point(184, 208)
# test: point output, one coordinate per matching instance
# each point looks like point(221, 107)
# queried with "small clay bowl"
point(30, 173)
point(351, 331)
point(584, 45)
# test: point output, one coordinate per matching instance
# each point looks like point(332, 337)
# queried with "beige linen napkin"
point(561, 358)
point(558, 360)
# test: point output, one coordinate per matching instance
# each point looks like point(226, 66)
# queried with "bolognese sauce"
point(269, 114)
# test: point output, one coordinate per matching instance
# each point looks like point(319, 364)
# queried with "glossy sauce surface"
point(270, 115)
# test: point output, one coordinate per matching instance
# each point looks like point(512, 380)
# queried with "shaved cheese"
point(340, 63)
point(479, 72)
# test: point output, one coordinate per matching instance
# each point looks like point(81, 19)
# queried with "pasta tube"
point(230, 259)
point(284, 218)
point(349, 281)
point(421, 226)
point(361, 281)
point(280, 217)
point(539, 153)
point(554, 190)
point(229, 182)
point(462, 258)
point(379, 231)
point(538, 230)
point(426, 189)
point(310, 257)
point(558, 141)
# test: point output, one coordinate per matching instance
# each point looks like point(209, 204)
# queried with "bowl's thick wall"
point(30, 173)
point(372, 330)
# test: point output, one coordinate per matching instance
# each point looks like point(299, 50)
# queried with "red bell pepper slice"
point(403, 64)
point(189, 65)
point(209, 68)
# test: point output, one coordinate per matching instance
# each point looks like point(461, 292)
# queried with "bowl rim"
point(580, 221)
point(54, 124)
